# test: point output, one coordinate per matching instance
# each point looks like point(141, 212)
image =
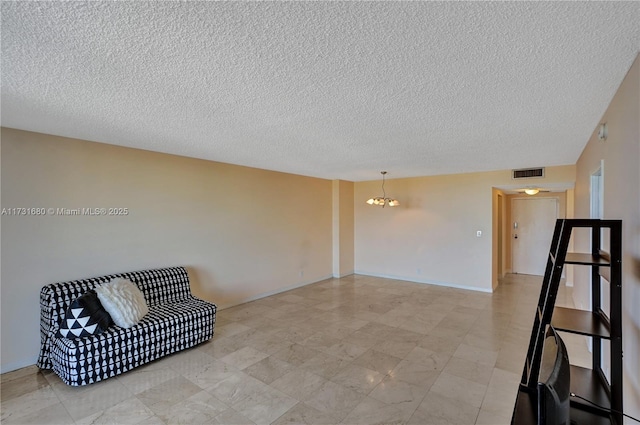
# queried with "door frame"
point(512, 230)
point(500, 247)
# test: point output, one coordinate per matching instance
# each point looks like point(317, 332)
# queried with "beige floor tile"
point(231, 417)
point(439, 344)
point(367, 316)
point(130, 411)
point(485, 357)
point(374, 412)
point(490, 341)
point(402, 335)
point(93, 398)
point(292, 298)
point(345, 350)
point(353, 323)
point(210, 374)
point(364, 339)
point(64, 391)
point(486, 417)
point(339, 332)
point(512, 357)
point(53, 414)
point(220, 347)
point(302, 414)
point(20, 384)
point(473, 371)
point(21, 373)
point(396, 348)
point(375, 360)
point(504, 379)
point(145, 377)
point(230, 329)
point(422, 325)
point(334, 399)
point(296, 354)
point(437, 409)
point(324, 365)
point(357, 378)
point(153, 420)
point(298, 383)
point(445, 329)
point(268, 343)
point(270, 326)
point(460, 389)
point(200, 408)
point(320, 341)
point(416, 373)
point(244, 357)
point(404, 396)
point(265, 407)
point(166, 395)
point(501, 394)
point(236, 387)
point(297, 334)
point(396, 317)
point(273, 314)
point(378, 330)
point(269, 369)
point(435, 360)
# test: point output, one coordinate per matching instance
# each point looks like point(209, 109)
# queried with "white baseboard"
point(274, 292)
point(31, 362)
point(426, 282)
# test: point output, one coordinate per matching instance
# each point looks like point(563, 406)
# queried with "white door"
point(533, 221)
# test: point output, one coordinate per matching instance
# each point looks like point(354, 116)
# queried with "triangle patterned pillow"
point(84, 317)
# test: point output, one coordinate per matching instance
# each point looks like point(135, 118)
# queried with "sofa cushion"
point(123, 301)
point(84, 317)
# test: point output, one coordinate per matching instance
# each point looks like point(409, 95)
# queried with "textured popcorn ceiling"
point(326, 89)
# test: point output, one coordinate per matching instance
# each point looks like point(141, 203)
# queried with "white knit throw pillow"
point(123, 301)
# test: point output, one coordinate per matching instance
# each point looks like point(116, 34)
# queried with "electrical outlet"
point(479, 233)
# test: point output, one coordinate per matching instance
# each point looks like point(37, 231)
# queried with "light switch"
point(479, 233)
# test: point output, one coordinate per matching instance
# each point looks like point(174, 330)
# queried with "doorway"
point(597, 193)
point(533, 221)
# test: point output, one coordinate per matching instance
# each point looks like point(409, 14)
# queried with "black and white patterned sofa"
point(177, 320)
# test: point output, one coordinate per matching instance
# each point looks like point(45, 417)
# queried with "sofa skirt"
point(167, 328)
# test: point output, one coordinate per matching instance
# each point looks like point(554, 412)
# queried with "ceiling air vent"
point(528, 173)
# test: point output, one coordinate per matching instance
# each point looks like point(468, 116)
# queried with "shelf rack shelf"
point(592, 384)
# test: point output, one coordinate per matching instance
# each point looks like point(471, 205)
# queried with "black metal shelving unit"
point(591, 384)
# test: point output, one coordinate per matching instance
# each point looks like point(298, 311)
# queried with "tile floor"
point(356, 350)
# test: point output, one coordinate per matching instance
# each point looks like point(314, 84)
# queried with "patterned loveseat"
point(176, 321)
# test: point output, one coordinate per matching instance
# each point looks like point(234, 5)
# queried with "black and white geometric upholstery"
point(176, 320)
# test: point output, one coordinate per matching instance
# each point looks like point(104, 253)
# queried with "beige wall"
point(241, 232)
point(342, 228)
point(621, 155)
point(431, 236)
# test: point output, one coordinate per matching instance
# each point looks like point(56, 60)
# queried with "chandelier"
point(383, 200)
